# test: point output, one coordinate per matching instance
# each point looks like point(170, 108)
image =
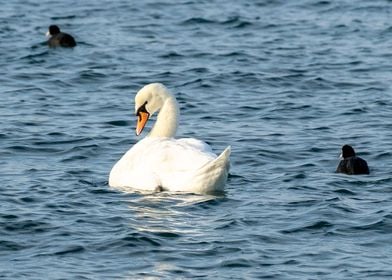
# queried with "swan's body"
point(161, 162)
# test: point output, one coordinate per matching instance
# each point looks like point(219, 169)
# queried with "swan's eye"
point(142, 109)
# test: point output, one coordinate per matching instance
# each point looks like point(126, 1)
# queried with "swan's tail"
point(212, 176)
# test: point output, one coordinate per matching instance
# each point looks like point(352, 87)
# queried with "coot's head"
point(347, 151)
point(53, 30)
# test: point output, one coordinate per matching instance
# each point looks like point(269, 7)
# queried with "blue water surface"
point(285, 83)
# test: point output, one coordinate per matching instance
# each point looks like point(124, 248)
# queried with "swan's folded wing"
point(170, 155)
point(196, 144)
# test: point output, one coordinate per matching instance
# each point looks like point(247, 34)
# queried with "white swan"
point(160, 162)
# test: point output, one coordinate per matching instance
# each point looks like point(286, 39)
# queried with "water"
point(285, 83)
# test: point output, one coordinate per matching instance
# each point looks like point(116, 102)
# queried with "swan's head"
point(149, 100)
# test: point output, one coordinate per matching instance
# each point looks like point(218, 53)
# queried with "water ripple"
point(285, 83)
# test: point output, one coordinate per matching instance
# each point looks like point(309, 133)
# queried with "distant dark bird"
point(59, 39)
point(350, 163)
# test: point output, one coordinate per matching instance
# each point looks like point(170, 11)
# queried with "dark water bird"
point(350, 163)
point(59, 39)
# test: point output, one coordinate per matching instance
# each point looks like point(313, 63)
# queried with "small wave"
point(345, 192)
point(303, 203)
point(171, 54)
point(62, 17)
point(62, 142)
point(74, 158)
point(6, 246)
point(236, 263)
point(27, 226)
point(119, 123)
point(383, 155)
point(383, 226)
point(197, 20)
point(234, 22)
point(316, 226)
point(88, 76)
point(22, 148)
point(166, 234)
point(137, 239)
point(225, 225)
point(36, 55)
point(73, 249)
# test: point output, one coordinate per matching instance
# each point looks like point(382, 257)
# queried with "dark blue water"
point(285, 83)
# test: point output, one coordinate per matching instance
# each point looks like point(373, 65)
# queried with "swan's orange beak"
point(142, 118)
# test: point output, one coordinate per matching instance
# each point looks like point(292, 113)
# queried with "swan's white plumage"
point(161, 161)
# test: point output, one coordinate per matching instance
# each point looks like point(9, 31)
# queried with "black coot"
point(351, 164)
point(59, 39)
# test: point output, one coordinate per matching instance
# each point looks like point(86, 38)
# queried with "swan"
point(160, 162)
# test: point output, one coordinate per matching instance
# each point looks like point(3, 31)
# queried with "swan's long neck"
point(167, 119)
